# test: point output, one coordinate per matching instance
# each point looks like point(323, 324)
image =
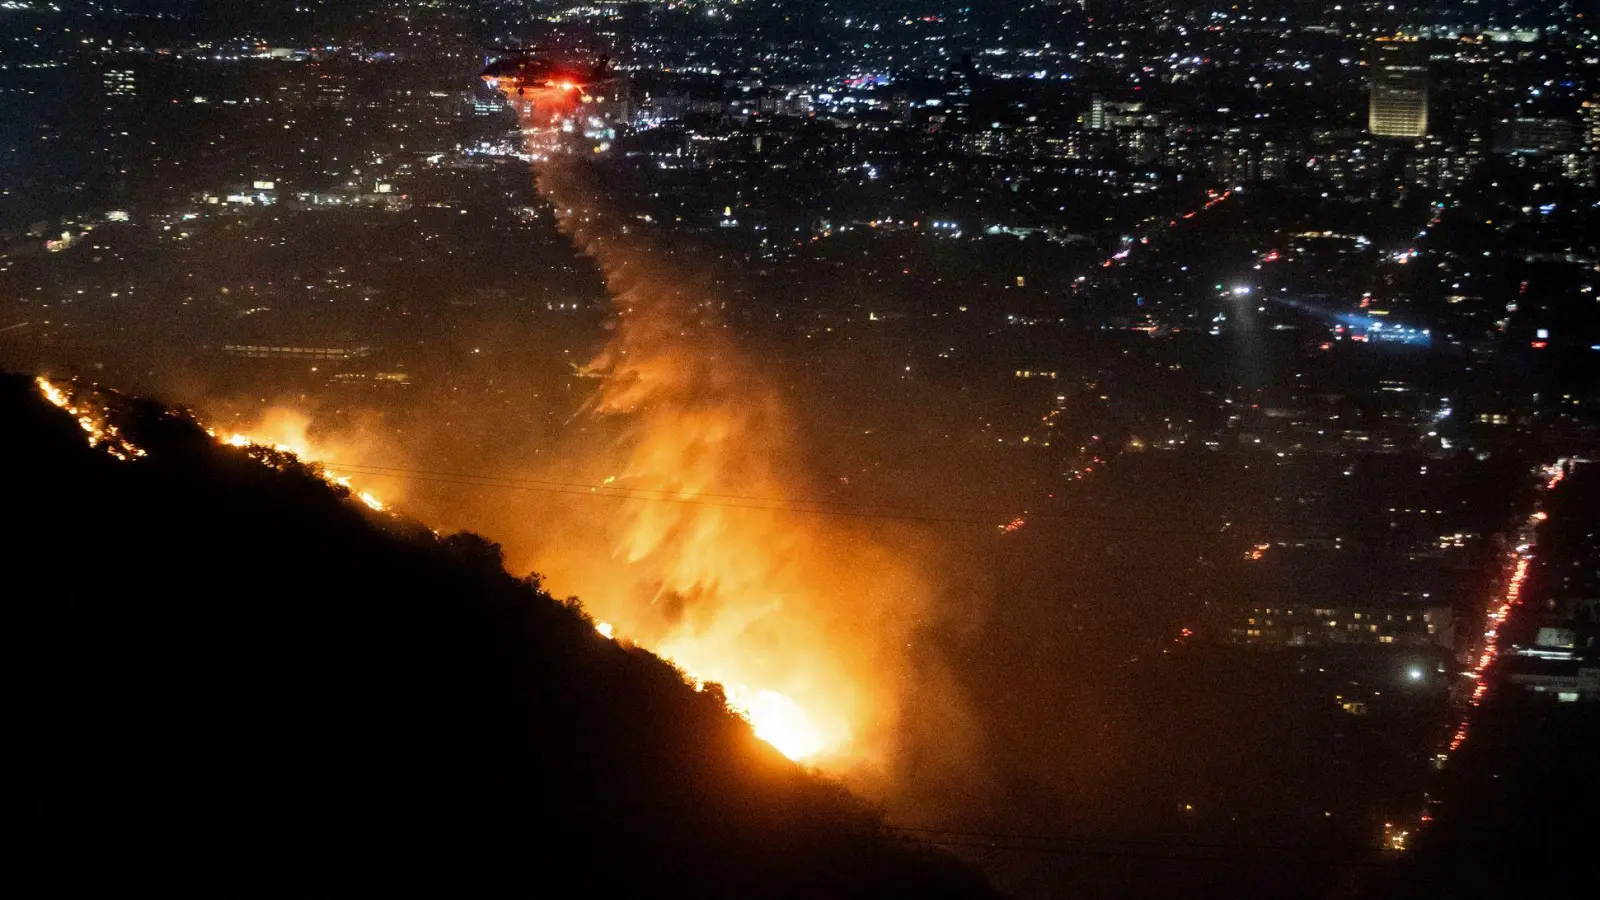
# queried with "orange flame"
point(91, 419)
point(287, 431)
point(798, 622)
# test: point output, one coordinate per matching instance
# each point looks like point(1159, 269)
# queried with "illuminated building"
point(1105, 115)
point(1134, 133)
point(1314, 626)
point(989, 142)
point(331, 91)
point(1441, 166)
point(234, 198)
point(1068, 145)
point(120, 83)
point(1569, 683)
point(959, 97)
point(372, 379)
point(1398, 99)
point(1531, 135)
point(382, 197)
point(257, 351)
point(1591, 121)
point(1246, 157)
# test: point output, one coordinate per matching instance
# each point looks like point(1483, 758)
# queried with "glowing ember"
point(93, 422)
point(53, 393)
point(289, 437)
point(102, 433)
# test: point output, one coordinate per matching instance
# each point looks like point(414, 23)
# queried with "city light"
point(853, 375)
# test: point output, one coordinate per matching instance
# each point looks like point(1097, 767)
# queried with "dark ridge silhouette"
point(234, 681)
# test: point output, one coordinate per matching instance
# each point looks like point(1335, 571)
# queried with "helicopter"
point(525, 70)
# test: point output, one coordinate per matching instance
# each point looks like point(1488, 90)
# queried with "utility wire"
point(924, 514)
point(671, 491)
point(620, 494)
point(1284, 860)
point(1070, 839)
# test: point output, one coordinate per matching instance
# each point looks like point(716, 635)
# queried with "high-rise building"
point(120, 83)
point(958, 98)
point(1591, 122)
point(1526, 134)
point(332, 91)
point(1097, 114)
point(1398, 102)
point(1108, 115)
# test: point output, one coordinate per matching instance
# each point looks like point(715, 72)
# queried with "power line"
point(624, 494)
point(785, 504)
point(1070, 839)
point(1283, 860)
point(848, 509)
point(610, 487)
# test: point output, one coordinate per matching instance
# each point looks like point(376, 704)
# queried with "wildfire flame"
point(778, 720)
point(774, 717)
point(92, 420)
point(95, 423)
point(768, 604)
point(806, 627)
point(302, 449)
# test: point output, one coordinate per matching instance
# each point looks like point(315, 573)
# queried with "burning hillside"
point(246, 678)
point(805, 619)
point(282, 441)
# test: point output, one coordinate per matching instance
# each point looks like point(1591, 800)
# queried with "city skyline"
point(1146, 421)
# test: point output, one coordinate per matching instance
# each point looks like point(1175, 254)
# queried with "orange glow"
point(1498, 615)
point(778, 720)
point(92, 418)
point(286, 431)
point(1494, 621)
point(803, 621)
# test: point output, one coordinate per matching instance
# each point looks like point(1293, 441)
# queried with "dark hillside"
point(233, 681)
